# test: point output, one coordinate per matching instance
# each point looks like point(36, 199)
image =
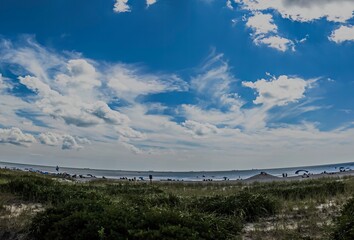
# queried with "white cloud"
point(214, 85)
point(128, 82)
point(82, 140)
point(279, 91)
point(66, 141)
point(50, 139)
point(71, 108)
point(5, 84)
point(218, 106)
point(262, 23)
point(161, 134)
point(69, 143)
point(150, 2)
point(131, 148)
point(200, 129)
point(229, 4)
point(121, 6)
point(81, 77)
point(2, 83)
point(129, 133)
point(103, 111)
point(42, 60)
point(276, 42)
point(304, 11)
point(73, 92)
point(342, 34)
point(16, 137)
point(58, 106)
point(296, 10)
point(266, 32)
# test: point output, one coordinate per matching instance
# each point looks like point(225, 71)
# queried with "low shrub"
point(155, 200)
point(99, 220)
point(245, 205)
point(344, 224)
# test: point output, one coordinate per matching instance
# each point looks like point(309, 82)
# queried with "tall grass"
point(300, 190)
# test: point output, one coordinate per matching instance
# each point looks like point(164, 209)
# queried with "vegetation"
point(53, 208)
point(344, 228)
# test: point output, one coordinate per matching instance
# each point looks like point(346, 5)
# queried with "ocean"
point(181, 176)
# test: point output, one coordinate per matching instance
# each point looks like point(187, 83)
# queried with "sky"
point(177, 85)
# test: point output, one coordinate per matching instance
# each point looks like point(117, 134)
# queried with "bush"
point(344, 224)
point(99, 220)
point(155, 200)
point(245, 205)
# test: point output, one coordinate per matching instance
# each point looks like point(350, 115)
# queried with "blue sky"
point(177, 85)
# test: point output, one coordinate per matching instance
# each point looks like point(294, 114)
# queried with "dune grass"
point(105, 209)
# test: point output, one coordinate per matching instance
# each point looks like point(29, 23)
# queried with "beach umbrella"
point(301, 170)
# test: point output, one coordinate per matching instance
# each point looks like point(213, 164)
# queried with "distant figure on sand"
point(57, 168)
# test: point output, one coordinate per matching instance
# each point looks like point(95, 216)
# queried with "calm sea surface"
point(187, 176)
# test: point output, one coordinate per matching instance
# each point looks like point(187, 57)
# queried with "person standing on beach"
point(57, 168)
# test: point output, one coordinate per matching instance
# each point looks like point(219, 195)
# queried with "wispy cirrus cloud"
point(213, 84)
point(128, 82)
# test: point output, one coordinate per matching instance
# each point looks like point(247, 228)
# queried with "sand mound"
point(262, 177)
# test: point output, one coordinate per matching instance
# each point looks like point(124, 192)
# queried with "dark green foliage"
point(155, 200)
point(245, 205)
point(116, 211)
point(344, 224)
point(94, 220)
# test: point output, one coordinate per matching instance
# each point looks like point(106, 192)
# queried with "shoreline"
point(181, 171)
point(263, 177)
point(269, 178)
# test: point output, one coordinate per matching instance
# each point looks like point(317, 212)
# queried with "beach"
point(252, 175)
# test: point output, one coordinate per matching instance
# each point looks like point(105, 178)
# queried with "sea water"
point(182, 176)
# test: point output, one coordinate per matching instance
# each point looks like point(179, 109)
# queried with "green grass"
point(126, 210)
